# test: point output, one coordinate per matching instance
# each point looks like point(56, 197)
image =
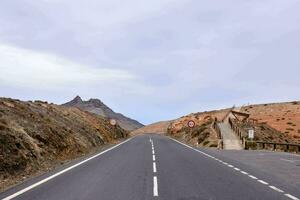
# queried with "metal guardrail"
point(217, 129)
point(274, 146)
point(261, 144)
point(240, 132)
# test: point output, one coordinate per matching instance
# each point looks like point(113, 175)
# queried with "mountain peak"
point(77, 99)
point(96, 106)
point(96, 101)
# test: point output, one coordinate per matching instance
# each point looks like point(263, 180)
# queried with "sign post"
point(251, 134)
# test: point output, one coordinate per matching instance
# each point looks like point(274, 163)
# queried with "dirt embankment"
point(158, 128)
point(203, 133)
point(36, 136)
point(275, 122)
point(283, 117)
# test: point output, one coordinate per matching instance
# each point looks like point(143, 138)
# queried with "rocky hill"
point(274, 122)
point(158, 128)
point(203, 134)
point(98, 107)
point(36, 136)
point(284, 117)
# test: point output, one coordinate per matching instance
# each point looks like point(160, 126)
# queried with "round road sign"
point(191, 124)
point(113, 122)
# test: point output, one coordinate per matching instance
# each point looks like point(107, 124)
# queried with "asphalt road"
point(157, 167)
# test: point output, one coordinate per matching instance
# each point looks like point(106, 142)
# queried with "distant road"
point(157, 167)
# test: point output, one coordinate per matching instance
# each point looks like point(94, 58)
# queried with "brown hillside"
point(98, 107)
point(203, 133)
point(35, 136)
point(284, 117)
point(277, 122)
point(158, 128)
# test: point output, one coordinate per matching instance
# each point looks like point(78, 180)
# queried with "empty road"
point(157, 167)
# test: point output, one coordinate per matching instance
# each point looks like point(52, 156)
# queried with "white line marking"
point(253, 177)
point(263, 182)
point(153, 152)
point(275, 188)
point(230, 166)
point(61, 172)
point(153, 157)
point(291, 196)
point(243, 172)
point(154, 167)
point(155, 186)
point(237, 169)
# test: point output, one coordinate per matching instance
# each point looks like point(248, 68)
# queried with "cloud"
point(151, 60)
point(29, 69)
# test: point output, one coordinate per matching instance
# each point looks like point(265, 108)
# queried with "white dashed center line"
point(155, 186)
point(291, 197)
point(155, 183)
point(154, 167)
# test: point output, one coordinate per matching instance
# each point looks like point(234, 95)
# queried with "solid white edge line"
point(276, 189)
point(243, 172)
point(291, 196)
point(263, 182)
point(154, 167)
point(155, 186)
point(60, 172)
point(253, 177)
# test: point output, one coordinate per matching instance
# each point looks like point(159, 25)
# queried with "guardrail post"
point(245, 143)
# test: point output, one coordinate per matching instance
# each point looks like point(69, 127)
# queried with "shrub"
point(290, 129)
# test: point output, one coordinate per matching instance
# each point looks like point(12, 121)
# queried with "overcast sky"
point(151, 60)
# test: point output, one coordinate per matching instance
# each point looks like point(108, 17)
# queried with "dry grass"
point(37, 136)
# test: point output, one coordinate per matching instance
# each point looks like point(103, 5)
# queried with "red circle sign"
point(113, 122)
point(191, 124)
